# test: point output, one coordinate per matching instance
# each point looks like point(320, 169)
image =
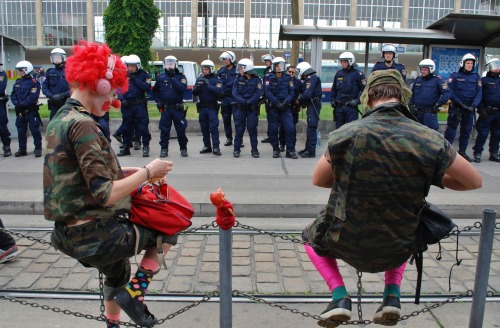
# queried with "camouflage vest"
point(383, 165)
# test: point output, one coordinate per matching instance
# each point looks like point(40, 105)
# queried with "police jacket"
point(311, 89)
point(429, 91)
point(25, 92)
point(227, 77)
point(465, 88)
point(297, 88)
point(491, 90)
point(3, 83)
point(380, 66)
point(348, 84)
point(247, 91)
point(169, 88)
point(278, 90)
point(208, 88)
point(138, 84)
point(55, 82)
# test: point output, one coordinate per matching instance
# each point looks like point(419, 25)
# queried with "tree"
point(130, 26)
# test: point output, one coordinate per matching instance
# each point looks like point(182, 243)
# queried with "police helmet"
point(57, 56)
point(493, 65)
point(247, 66)
point(304, 68)
point(278, 62)
point(389, 48)
point(170, 62)
point(134, 60)
point(228, 55)
point(349, 56)
point(429, 63)
point(124, 59)
point(209, 64)
point(267, 57)
point(25, 65)
point(467, 57)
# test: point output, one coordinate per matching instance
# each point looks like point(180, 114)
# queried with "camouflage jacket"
point(383, 165)
point(79, 168)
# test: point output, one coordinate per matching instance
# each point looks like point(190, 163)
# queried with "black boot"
point(21, 152)
point(124, 151)
point(164, 152)
point(477, 157)
point(216, 152)
point(493, 157)
point(145, 151)
point(38, 152)
point(464, 155)
point(307, 154)
point(205, 150)
point(6, 151)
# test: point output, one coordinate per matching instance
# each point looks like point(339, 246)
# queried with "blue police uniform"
point(135, 111)
point(228, 104)
point(168, 93)
point(466, 95)
point(311, 98)
point(279, 93)
point(209, 90)
point(489, 117)
point(429, 93)
point(24, 96)
point(294, 109)
point(380, 66)
point(348, 85)
point(4, 119)
point(246, 93)
point(56, 88)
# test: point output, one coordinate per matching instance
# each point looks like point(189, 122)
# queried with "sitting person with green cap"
point(379, 169)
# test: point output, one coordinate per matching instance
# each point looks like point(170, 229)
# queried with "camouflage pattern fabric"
point(382, 165)
point(79, 168)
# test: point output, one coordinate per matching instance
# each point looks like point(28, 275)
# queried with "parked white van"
point(190, 69)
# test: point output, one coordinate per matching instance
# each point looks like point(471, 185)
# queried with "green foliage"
point(130, 26)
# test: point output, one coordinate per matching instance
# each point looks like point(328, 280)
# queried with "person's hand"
point(132, 76)
point(207, 82)
point(159, 168)
point(435, 109)
point(124, 102)
point(353, 103)
point(470, 108)
point(171, 72)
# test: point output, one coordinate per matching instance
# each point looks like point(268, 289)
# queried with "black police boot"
point(236, 153)
point(291, 154)
point(229, 142)
point(255, 153)
point(265, 140)
point(21, 152)
point(137, 145)
point(118, 138)
point(164, 152)
point(464, 155)
point(216, 152)
point(493, 157)
point(477, 157)
point(145, 151)
point(136, 310)
point(184, 152)
point(307, 154)
point(6, 151)
point(282, 148)
point(205, 150)
point(38, 152)
point(276, 153)
point(300, 152)
point(124, 151)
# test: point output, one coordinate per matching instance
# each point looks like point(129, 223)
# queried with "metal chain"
point(101, 293)
point(18, 234)
point(360, 287)
point(426, 309)
point(202, 227)
point(273, 234)
point(205, 298)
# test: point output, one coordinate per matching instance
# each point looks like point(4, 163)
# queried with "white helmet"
point(493, 64)
point(349, 56)
point(467, 57)
point(429, 63)
point(134, 60)
point(304, 68)
point(57, 56)
point(170, 62)
point(267, 57)
point(280, 62)
point(208, 63)
point(25, 65)
point(389, 48)
point(228, 55)
point(124, 59)
point(247, 66)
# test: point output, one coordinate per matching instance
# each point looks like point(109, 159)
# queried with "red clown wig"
point(89, 63)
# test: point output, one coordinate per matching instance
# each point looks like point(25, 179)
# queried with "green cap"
point(390, 76)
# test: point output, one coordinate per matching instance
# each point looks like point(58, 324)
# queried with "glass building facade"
point(223, 23)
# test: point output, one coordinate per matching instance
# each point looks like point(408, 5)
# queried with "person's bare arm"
point(461, 175)
point(323, 174)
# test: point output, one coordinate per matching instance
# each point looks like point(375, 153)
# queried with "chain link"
point(202, 227)
point(18, 234)
point(205, 298)
point(273, 234)
point(360, 291)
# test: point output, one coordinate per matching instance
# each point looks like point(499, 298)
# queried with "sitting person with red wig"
point(87, 192)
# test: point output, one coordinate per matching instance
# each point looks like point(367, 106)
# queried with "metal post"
point(225, 275)
point(482, 268)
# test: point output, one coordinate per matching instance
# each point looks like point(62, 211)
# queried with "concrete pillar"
point(38, 23)
point(405, 14)
point(194, 23)
point(89, 10)
point(246, 17)
point(353, 16)
point(458, 5)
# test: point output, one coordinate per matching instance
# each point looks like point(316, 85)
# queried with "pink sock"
point(149, 264)
point(394, 276)
point(327, 268)
point(114, 317)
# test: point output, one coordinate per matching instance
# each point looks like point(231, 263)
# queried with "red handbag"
point(160, 207)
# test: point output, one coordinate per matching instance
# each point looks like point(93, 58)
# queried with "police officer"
point(134, 106)
point(389, 53)
point(278, 88)
point(227, 74)
point(24, 96)
point(168, 93)
point(348, 84)
point(465, 87)
point(267, 60)
point(489, 113)
point(294, 106)
point(311, 98)
point(429, 93)
point(55, 87)
point(4, 119)
point(208, 88)
point(247, 91)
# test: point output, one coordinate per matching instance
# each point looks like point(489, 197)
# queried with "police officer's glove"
point(171, 72)
point(435, 109)
point(470, 109)
point(413, 109)
point(483, 113)
point(207, 82)
point(124, 102)
point(4, 98)
point(158, 105)
point(282, 106)
point(132, 76)
point(353, 103)
point(57, 98)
